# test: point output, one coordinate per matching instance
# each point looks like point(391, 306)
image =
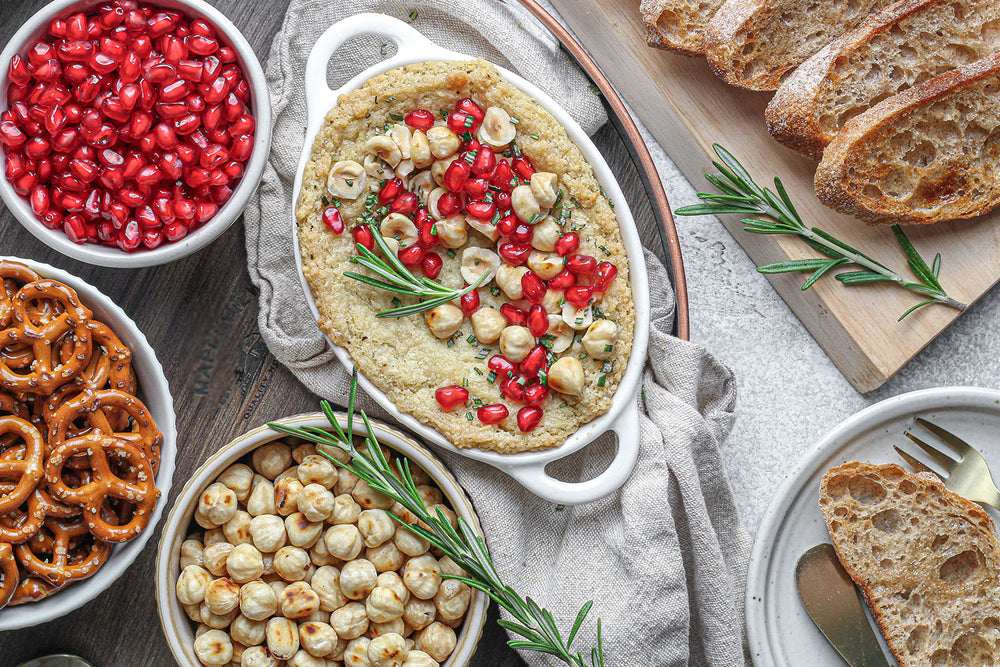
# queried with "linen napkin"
point(665, 557)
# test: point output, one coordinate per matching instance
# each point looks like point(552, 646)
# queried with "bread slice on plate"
point(892, 50)
point(756, 43)
point(926, 560)
point(928, 154)
point(678, 25)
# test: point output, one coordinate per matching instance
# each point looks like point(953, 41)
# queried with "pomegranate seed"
point(102, 63)
point(184, 209)
point(604, 276)
point(50, 70)
point(201, 45)
point(75, 228)
point(431, 265)
point(147, 218)
point(501, 365)
point(452, 396)
point(507, 225)
point(78, 51)
point(533, 287)
point(202, 27)
point(130, 238)
point(564, 280)
point(535, 362)
point(18, 71)
point(175, 231)
point(427, 233)
point(171, 165)
point(456, 174)
point(226, 54)
point(363, 236)
point(581, 265)
point(470, 302)
point(535, 395)
point(449, 204)
point(538, 321)
point(206, 211)
point(190, 70)
point(40, 52)
point(152, 238)
point(502, 176)
point(512, 391)
point(522, 167)
point(514, 315)
point(567, 243)
point(148, 175)
point(37, 148)
point(471, 146)
point(420, 119)
point(11, 134)
point(476, 187)
point(215, 91)
point(14, 166)
point(388, 192)
point(242, 148)
point(485, 163)
point(405, 204)
point(580, 295)
point(113, 179)
point(164, 136)
point(522, 233)
point(528, 418)
point(244, 124)
point(39, 200)
point(466, 105)
point(411, 256)
point(52, 220)
point(492, 414)
point(174, 91)
point(481, 210)
point(459, 122)
point(514, 254)
point(159, 24)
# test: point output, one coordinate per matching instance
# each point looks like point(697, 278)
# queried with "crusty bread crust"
point(902, 45)
point(925, 155)
point(926, 560)
point(677, 25)
point(755, 44)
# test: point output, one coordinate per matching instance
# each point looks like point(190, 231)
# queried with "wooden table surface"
point(200, 315)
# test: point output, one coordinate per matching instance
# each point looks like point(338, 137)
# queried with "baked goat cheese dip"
point(467, 181)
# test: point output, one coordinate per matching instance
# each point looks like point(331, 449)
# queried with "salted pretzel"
point(32, 589)
point(23, 523)
point(11, 577)
point(13, 276)
point(105, 484)
point(47, 372)
point(63, 551)
point(93, 408)
point(24, 472)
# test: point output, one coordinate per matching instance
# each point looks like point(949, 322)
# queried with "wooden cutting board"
point(688, 109)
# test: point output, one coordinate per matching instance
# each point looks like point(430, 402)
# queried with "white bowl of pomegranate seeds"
point(132, 134)
point(433, 155)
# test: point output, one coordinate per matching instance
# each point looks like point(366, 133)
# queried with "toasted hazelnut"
point(599, 341)
point(258, 601)
point(346, 179)
point(272, 459)
point(192, 584)
point(444, 320)
point(213, 648)
point(545, 187)
point(244, 563)
point(420, 150)
point(385, 149)
point(547, 265)
point(357, 578)
point(525, 206)
point(516, 342)
point(326, 583)
point(487, 323)
point(443, 142)
point(452, 232)
point(298, 600)
point(566, 376)
point(268, 532)
point(282, 637)
point(509, 280)
point(479, 265)
point(422, 576)
point(496, 130)
point(239, 478)
point(215, 556)
point(301, 531)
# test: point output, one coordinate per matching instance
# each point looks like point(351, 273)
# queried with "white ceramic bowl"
point(260, 105)
point(177, 626)
point(155, 393)
point(623, 417)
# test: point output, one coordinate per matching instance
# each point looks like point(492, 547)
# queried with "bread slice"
point(892, 50)
point(756, 43)
point(678, 25)
point(928, 154)
point(926, 560)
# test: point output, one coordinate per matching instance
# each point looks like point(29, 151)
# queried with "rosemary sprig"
point(468, 550)
point(740, 194)
point(399, 279)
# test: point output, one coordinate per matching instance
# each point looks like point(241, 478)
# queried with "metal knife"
point(832, 601)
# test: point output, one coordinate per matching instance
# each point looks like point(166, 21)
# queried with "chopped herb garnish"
point(466, 135)
point(471, 340)
point(594, 89)
point(549, 336)
point(543, 378)
point(470, 156)
point(451, 254)
point(324, 200)
point(396, 303)
point(483, 353)
point(468, 415)
point(451, 341)
point(560, 508)
point(443, 112)
point(465, 382)
point(533, 136)
point(514, 120)
point(413, 15)
point(563, 404)
point(385, 52)
point(608, 348)
point(601, 380)
point(396, 116)
point(391, 98)
point(495, 291)
point(516, 149)
point(336, 202)
point(606, 368)
point(547, 344)
point(491, 378)
point(605, 250)
point(536, 218)
point(478, 370)
point(469, 120)
point(477, 401)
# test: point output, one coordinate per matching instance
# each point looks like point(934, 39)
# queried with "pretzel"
point(11, 577)
point(23, 523)
point(46, 373)
point(94, 407)
point(105, 484)
point(13, 275)
point(26, 471)
point(32, 589)
point(59, 555)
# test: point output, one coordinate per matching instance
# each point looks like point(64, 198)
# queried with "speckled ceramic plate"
point(780, 631)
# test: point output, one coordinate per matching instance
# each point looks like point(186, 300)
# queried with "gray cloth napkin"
point(665, 557)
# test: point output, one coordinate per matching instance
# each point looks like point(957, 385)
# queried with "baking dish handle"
point(410, 46)
point(534, 478)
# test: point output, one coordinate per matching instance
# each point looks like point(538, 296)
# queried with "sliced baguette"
point(928, 154)
point(926, 560)
point(892, 50)
point(756, 43)
point(678, 25)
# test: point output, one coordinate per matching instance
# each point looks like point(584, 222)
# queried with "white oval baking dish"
point(623, 417)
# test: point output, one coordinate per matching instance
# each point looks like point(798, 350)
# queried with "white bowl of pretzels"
point(87, 442)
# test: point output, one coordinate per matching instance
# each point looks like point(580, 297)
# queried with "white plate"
point(623, 417)
point(779, 630)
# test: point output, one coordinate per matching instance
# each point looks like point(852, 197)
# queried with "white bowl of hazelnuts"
point(274, 556)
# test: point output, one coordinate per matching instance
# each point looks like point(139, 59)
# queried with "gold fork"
point(969, 476)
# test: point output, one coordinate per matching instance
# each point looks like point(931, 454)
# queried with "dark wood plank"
point(200, 316)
